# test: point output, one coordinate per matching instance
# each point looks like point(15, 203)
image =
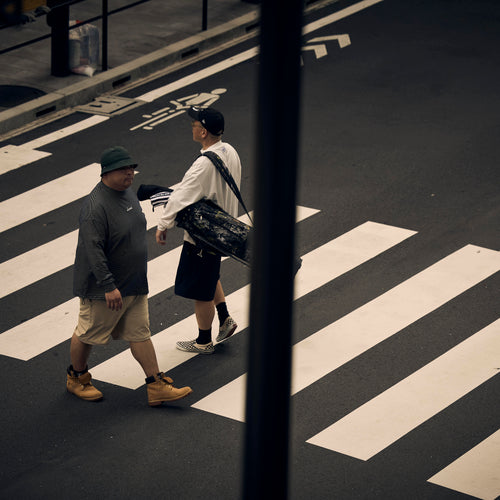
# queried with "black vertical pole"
point(104, 55)
point(204, 16)
point(270, 336)
point(58, 20)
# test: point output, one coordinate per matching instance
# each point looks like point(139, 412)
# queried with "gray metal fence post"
point(270, 335)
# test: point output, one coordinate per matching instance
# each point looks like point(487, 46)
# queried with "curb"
point(110, 80)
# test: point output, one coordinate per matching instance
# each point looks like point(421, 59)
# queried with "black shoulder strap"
point(226, 175)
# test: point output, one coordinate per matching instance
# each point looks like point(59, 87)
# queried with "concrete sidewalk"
point(142, 40)
point(150, 37)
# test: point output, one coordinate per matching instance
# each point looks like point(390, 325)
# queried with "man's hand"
point(161, 236)
point(114, 300)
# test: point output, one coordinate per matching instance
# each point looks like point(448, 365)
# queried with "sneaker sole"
point(222, 338)
point(196, 351)
point(158, 403)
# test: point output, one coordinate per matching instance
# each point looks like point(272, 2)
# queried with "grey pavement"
point(142, 40)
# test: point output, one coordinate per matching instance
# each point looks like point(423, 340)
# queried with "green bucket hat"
point(114, 158)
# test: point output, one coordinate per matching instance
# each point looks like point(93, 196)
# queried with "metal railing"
point(58, 20)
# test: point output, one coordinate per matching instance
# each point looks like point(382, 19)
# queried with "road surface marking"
point(365, 327)
point(318, 268)
point(477, 473)
point(386, 418)
point(49, 196)
point(17, 156)
point(38, 334)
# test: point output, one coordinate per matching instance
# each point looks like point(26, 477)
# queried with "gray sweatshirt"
point(112, 248)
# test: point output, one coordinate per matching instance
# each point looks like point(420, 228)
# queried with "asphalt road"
point(396, 329)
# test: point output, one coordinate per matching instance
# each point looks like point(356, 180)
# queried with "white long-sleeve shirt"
point(203, 180)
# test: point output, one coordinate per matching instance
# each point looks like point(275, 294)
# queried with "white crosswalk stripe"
point(350, 336)
point(388, 417)
point(477, 472)
point(24, 341)
point(47, 197)
point(17, 156)
point(47, 259)
point(318, 267)
point(364, 432)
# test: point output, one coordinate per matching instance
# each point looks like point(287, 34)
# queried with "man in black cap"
point(199, 269)
point(111, 280)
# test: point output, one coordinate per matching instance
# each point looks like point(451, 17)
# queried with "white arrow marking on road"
point(344, 40)
point(319, 50)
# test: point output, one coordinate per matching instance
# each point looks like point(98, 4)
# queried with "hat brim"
point(119, 164)
point(194, 114)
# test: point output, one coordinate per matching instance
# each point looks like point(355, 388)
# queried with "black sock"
point(222, 312)
point(204, 336)
point(77, 374)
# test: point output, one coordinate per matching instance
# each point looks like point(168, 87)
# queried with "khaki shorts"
point(97, 324)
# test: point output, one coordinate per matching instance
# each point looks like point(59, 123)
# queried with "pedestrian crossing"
point(24, 341)
point(318, 268)
point(369, 429)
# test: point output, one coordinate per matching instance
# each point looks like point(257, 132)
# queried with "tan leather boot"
point(81, 386)
point(161, 389)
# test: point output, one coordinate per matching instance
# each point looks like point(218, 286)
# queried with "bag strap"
point(226, 175)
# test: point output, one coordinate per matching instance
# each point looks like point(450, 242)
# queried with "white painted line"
point(248, 54)
point(344, 40)
point(65, 132)
point(383, 420)
point(477, 473)
point(16, 156)
point(124, 371)
point(199, 75)
point(37, 264)
point(337, 16)
point(13, 157)
point(37, 335)
point(322, 265)
point(370, 324)
point(47, 259)
point(49, 196)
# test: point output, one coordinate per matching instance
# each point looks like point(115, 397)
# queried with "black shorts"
point(197, 274)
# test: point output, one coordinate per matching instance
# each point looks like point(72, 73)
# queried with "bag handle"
point(226, 175)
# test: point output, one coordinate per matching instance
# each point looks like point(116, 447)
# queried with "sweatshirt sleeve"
point(189, 191)
point(94, 234)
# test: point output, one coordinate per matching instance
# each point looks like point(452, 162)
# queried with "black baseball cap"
point(210, 118)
